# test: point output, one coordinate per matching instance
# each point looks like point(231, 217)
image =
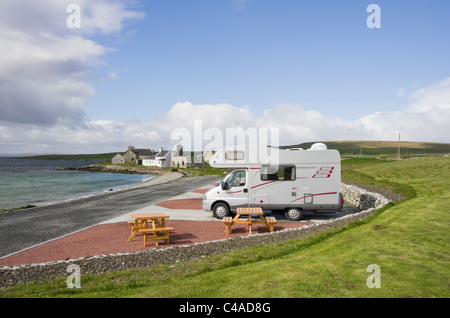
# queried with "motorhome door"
point(235, 189)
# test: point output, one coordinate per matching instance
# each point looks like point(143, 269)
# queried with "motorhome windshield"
point(236, 179)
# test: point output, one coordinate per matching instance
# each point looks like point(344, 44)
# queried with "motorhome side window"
point(281, 173)
point(236, 179)
point(234, 155)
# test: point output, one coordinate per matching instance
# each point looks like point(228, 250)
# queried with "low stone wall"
point(10, 276)
point(361, 198)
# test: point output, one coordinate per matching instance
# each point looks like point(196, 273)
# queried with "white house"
point(161, 159)
point(207, 154)
point(180, 159)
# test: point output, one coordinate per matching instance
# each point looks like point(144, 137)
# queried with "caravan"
point(282, 180)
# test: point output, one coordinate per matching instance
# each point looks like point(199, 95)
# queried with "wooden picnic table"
point(150, 223)
point(247, 213)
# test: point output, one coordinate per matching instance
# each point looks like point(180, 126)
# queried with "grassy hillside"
point(345, 147)
point(409, 242)
point(382, 147)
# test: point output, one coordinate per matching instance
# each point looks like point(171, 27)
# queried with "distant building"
point(180, 159)
point(177, 159)
point(137, 155)
point(161, 159)
point(207, 154)
point(118, 159)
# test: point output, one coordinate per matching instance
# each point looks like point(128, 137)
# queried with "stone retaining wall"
point(10, 276)
point(361, 198)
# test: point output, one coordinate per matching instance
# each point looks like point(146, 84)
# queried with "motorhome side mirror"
point(224, 185)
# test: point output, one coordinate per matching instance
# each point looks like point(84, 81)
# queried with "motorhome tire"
point(221, 210)
point(293, 214)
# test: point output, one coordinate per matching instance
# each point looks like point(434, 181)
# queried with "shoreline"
point(123, 169)
point(47, 223)
point(158, 179)
point(156, 175)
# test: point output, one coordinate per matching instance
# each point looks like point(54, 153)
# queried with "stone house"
point(137, 155)
point(118, 159)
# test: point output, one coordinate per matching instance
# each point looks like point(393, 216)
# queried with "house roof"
point(162, 153)
point(143, 152)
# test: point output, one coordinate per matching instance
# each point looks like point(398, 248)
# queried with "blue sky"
point(317, 53)
point(312, 69)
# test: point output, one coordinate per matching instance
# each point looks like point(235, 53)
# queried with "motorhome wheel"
point(293, 214)
point(221, 210)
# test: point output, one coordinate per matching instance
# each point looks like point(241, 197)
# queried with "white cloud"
point(424, 119)
point(44, 65)
point(105, 16)
point(220, 116)
point(435, 96)
point(45, 68)
point(99, 16)
point(296, 124)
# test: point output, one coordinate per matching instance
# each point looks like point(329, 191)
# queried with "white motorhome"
point(290, 180)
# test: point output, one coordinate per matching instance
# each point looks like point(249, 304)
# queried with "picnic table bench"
point(153, 234)
point(229, 222)
point(150, 225)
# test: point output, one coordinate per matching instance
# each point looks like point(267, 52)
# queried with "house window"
point(281, 173)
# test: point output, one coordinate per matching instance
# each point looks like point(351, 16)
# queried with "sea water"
point(40, 182)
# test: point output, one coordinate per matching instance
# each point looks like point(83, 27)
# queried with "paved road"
point(25, 228)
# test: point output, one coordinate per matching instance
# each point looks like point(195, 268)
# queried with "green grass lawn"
point(409, 241)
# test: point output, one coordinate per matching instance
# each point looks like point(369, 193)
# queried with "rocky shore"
point(121, 169)
point(11, 276)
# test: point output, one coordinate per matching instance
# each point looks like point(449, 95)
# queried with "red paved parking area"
point(182, 204)
point(113, 238)
point(200, 190)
